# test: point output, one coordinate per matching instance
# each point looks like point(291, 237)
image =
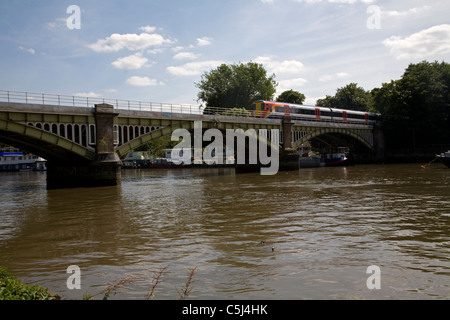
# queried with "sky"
point(156, 51)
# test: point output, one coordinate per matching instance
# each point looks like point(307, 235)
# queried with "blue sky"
point(157, 50)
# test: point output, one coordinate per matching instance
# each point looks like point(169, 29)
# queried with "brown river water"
point(307, 234)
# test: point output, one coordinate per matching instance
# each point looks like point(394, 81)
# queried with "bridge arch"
point(366, 139)
point(158, 132)
point(154, 133)
point(43, 143)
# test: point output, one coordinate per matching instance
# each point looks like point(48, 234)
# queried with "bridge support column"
point(289, 157)
point(378, 142)
point(105, 170)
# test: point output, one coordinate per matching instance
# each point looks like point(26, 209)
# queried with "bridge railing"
point(89, 102)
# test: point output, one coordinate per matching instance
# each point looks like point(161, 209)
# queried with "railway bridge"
point(83, 139)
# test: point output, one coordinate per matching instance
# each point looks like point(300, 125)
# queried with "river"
point(307, 234)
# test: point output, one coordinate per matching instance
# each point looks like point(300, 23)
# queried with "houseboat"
point(15, 160)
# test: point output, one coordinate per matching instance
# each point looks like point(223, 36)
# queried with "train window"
point(287, 109)
point(254, 106)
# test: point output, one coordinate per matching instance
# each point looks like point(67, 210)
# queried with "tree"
point(157, 147)
point(291, 96)
point(416, 108)
point(236, 86)
point(350, 97)
point(327, 102)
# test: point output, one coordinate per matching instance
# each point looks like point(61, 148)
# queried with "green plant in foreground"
point(13, 289)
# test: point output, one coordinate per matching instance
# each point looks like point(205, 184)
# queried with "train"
point(277, 110)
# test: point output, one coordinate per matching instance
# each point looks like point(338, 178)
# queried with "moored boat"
point(308, 159)
point(337, 157)
point(445, 158)
point(12, 159)
point(161, 163)
point(138, 159)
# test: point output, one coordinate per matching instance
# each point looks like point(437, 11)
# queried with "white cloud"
point(186, 55)
point(155, 51)
point(395, 13)
point(205, 41)
point(29, 50)
point(309, 1)
point(289, 84)
point(351, 1)
point(87, 95)
point(143, 81)
point(425, 43)
point(133, 62)
point(58, 23)
point(311, 101)
point(330, 1)
point(133, 42)
point(194, 68)
point(280, 67)
point(177, 48)
point(147, 29)
point(330, 77)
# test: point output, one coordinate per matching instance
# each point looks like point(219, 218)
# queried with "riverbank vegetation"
point(13, 289)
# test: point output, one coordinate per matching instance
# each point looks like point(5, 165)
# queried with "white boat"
point(15, 160)
point(309, 160)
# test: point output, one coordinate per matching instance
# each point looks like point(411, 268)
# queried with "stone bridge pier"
point(105, 170)
point(289, 157)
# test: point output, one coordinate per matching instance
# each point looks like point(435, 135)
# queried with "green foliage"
point(291, 96)
point(416, 108)
point(237, 112)
point(350, 97)
point(156, 147)
point(13, 289)
point(236, 86)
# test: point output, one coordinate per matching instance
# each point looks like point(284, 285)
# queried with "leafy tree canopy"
point(350, 97)
point(236, 86)
point(291, 96)
point(417, 105)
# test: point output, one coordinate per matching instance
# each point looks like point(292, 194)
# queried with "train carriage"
point(277, 110)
